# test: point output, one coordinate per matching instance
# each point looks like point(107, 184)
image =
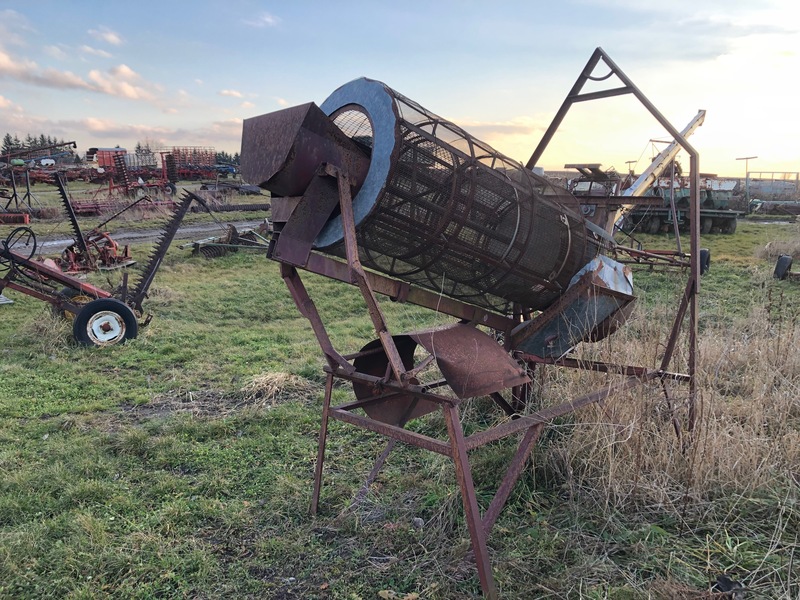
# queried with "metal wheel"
point(21, 241)
point(396, 409)
point(105, 322)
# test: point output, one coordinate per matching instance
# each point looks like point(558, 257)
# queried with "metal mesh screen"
point(457, 217)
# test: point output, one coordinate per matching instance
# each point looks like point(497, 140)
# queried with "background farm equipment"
point(232, 241)
point(100, 317)
point(95, 250)
point(374, 190)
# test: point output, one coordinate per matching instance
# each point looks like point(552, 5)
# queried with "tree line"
point(13, 144)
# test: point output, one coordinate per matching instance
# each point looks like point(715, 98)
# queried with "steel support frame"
point(398, 380)
point(689, 300)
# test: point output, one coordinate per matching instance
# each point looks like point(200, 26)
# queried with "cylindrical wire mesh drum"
point(442, 210)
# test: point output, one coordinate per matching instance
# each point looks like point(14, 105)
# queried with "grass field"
point(180, 464)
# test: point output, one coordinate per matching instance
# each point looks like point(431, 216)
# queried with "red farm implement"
point(100, 317)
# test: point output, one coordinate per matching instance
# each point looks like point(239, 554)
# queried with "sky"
point(174, 72)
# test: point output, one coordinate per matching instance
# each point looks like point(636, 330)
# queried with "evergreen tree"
point(8, 143)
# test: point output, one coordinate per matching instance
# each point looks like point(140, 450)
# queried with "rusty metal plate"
point(399, 408)
point(472, 362)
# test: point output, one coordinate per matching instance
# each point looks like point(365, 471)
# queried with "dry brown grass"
point(276, 387)
point(748, 432)
point(775, 248)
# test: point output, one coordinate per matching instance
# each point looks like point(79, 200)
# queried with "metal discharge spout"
point(435, 207)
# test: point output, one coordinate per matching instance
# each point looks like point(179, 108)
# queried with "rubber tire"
point(171, 189)
point(705, 260)
point(782, 267)
point(117, 311)
point(730, 226)
point(706, 223)
point(654, 225)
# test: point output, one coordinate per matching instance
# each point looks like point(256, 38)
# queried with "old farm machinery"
point(372, 189)
point(100, 317)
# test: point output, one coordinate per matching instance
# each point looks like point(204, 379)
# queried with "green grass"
point(149, 471)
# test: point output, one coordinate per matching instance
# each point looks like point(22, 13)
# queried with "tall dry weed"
point(747, 437)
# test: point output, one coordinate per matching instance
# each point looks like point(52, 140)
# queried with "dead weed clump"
point(262, 392)
point(274, 388)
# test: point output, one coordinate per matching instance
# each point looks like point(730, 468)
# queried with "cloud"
point(55, 52)
point(231, 93)
point(198, 81)
point(263, 20)
point(94, 51)
point(29, 72)
point(12, 25)
point(121, 81)
point(282, 101)
point(5, 102)
point(104, 34)
point(247, 104)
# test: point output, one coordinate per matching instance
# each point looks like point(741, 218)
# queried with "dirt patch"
point(261, 393)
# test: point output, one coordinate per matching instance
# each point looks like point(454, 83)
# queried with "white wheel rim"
point(105, 328)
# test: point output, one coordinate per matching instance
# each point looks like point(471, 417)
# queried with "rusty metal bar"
point(604, 367)
point(421, 391)
point(476, 440)
point(359, 276)
point(472, 513)
point(404, 435)
point(403, 292)
point(323, 437)
point(308, 309)
point(512, 475)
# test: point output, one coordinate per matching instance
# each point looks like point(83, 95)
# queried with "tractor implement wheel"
point(105, 322)
point(21, 240)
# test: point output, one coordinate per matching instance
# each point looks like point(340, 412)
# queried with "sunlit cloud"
point(29, 72)
point(5, 102)
point(121, 81)
point(94, 51)
point(104, 34)
point(263, 20)
point(231, 93)
point(247, 104)
point(198, 81)
point(282, 101)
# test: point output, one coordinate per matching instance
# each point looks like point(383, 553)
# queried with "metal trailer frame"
point(121, 310)
point(384, 368)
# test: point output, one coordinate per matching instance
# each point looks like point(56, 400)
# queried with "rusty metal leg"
point(376, 468)
point(511, 476)
point(323, 436)
point(307, 308)
point(471, 510)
